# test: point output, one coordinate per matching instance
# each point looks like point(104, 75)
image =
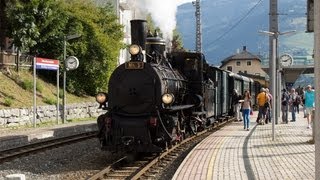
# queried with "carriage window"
point(229, 68)
point(238, 63)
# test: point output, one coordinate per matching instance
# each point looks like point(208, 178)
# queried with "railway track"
point(12, 153)
point(150, 167)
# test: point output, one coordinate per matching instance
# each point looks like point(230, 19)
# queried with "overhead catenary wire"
point(237, 23)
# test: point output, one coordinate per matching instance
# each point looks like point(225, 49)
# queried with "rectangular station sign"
point(49, 64)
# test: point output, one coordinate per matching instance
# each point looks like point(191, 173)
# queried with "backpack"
point(284, 99)
point(267, 103)
point(298, 100)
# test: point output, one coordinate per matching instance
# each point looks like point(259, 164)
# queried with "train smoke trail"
point(163, 13)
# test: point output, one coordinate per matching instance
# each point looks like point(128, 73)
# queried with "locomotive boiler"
point(155, 98)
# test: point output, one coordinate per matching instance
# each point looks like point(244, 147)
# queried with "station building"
point(246, 64)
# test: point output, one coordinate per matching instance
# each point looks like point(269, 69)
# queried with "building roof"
point(244, 55)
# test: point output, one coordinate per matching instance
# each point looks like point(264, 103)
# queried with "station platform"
point(234, 153)
point(11, 138)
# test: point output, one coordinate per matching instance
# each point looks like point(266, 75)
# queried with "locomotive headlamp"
point(167, 98)
point(102, 99)
point(134, 49)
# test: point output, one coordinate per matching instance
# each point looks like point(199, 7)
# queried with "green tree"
point(98, 49)
point(177, 44)
point(3, 23)
point(33, 23)
point(39, 26)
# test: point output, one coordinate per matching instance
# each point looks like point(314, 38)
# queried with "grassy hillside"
point(16, 90)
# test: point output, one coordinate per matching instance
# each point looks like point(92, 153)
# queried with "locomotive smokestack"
point(139, 33)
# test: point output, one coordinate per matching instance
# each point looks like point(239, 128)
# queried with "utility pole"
point(317, 84)
point(198, 26)
point(273, 27)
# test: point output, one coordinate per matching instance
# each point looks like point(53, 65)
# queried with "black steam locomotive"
point(157, 98)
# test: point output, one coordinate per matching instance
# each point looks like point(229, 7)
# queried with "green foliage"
point(102, 36)
point(33, 23)
point(61, 93)
point(27, 85)
point(39, 87)
point(50, 101)
point(177, 44)
point(8, 101)
point(39, 26)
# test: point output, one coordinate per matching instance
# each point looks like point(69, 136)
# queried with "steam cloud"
point(163, 13)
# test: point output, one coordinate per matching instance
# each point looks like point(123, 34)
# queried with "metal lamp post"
point(274, 68)
point(66, 38)
point(273, 78)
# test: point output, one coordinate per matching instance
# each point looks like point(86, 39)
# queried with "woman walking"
point(246, 108)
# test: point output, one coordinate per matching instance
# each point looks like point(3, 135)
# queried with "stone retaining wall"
point(22, 116)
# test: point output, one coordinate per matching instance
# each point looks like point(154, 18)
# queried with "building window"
point(248, 63)
point(238, 63)
point(229, 68)
point(245, 72)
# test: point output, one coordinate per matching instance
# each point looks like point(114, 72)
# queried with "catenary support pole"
point(273, 27)
point(273, 85)
point(317, 85)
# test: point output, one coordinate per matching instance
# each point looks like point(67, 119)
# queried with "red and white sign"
point(49, 64)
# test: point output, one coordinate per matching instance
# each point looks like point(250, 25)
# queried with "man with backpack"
point(297, 102)
point(262, 99)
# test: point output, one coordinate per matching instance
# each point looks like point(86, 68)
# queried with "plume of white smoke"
point(163, 13)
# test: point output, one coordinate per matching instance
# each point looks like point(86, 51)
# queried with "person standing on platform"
point(246, 109)
point(292, 100)
point(236, 105)
point(268, 109)
point(309, 96)
point(303, 102)
point(284, 106)
point(262, 98)
point(297, 102)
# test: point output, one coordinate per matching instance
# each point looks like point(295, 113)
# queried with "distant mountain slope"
point(227, 25)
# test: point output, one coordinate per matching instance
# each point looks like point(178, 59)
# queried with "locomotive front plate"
point(134, 65)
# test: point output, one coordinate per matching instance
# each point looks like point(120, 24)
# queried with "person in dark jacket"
point(236, 105)
point(284, 106)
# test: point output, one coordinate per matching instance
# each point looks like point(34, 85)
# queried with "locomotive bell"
point(156, 47)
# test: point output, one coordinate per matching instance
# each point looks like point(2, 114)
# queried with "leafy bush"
point(39, 87)
point(27, 85)
point(50, 101)
point(61, 93)
point(8, 101)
